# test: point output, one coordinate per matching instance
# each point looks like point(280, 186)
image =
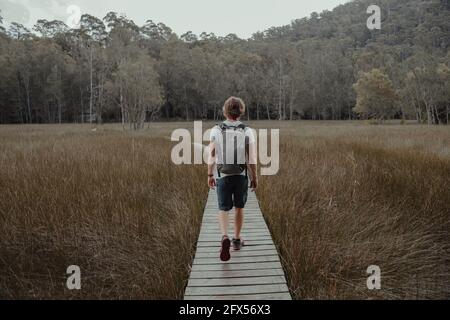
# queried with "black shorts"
point(232, 192)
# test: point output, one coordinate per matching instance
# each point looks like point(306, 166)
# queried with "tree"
point(426, 82)
point(2, 29)
point(19, 31)
point(140, 92)
point(176, 69)
point(305, 69)
point(50, 29)
point(189, 37)
point(94, 31)
point(93, 28)
point(444, 81)
point(376, 96)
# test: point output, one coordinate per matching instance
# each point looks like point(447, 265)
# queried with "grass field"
point(348, 195)
point(106, 201)
point(351, 196)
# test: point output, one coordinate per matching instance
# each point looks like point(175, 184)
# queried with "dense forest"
point(328, 66)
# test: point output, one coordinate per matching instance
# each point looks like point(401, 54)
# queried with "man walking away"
point(232, 163)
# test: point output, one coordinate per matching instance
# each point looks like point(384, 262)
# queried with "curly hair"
point(234, 108)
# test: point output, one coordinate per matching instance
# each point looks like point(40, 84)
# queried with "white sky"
point(243, 17)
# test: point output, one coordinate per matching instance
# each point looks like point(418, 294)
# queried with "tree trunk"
point(99, 112)
point(280, 92)
point(59, 110)
point(30, 115)
point(186, 105)
point(91, 86)
point(448, 107)
point(268, 109)
point(437, 118)
point(19, 107)
point(429, 114)
point(291, 104)
point(122, 111)
point(257, 111)
point(81, 102)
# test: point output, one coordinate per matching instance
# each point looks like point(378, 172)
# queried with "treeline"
point(329, 66)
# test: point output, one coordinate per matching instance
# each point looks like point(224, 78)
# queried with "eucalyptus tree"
point(376, 97)
point(139, 88)
point(2, 29)
point(50, 29)
point(19, 32)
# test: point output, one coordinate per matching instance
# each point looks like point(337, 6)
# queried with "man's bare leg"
point(238, 223)
point(226, 242)
point(224, 221)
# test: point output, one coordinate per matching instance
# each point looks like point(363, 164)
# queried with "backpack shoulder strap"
point(223, 127)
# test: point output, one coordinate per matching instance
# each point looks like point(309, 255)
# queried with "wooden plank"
point(217, 232)
point(249, 221)
point(244, 231)
point(248, 238)
point(236, 266)
point(237, 259)
point(235, 290)
point(215, 226)
point(248, 249)
point(250, 297)
point(215, 213)
point(216, 244)
point(224, 282)
point(247, 224)
point(246, 235)
point(236, 273)
point(236, 254)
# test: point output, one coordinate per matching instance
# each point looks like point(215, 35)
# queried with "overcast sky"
point(243, 17)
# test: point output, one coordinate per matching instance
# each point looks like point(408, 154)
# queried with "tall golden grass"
point(348, 197)
point(109, 202)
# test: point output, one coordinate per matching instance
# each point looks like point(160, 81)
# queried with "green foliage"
point(376, 97)
point(303, 70)
point(2, 29)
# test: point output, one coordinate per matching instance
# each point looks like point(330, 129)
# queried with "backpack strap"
point(223, 127)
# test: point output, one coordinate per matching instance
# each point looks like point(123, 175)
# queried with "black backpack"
point(238, 163)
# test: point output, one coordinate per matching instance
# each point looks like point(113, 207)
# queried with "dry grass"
point(109, 202)
point(348, 197)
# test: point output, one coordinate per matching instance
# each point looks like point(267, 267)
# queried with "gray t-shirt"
point(216, 138)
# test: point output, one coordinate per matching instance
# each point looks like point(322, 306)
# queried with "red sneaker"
point(225, 251)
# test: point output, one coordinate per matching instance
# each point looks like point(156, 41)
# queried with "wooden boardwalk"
point(255, 273)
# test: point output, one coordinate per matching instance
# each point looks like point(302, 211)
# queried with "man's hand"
point(212, 183)
point(254, 185)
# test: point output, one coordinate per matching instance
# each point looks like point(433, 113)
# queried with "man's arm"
point(252, 165)
point(211, 165)
point(253, 176)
